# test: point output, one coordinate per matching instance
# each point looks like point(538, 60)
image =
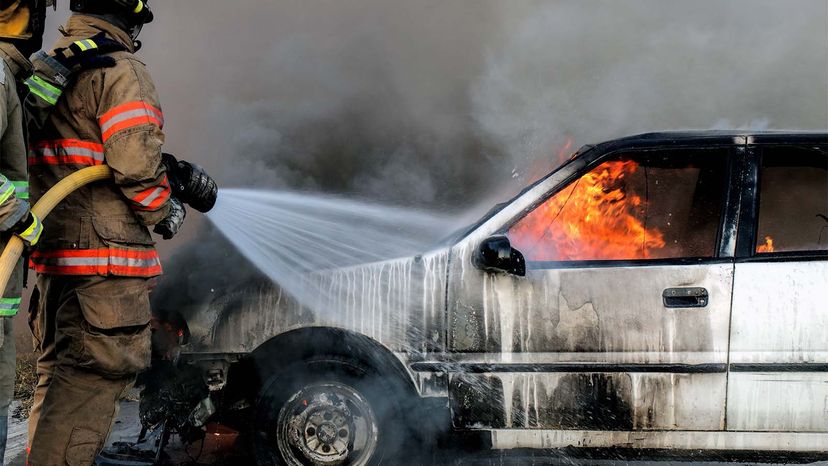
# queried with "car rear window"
point(652, 205)
point(793, 200)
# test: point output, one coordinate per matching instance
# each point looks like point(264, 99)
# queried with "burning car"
point(660, 291)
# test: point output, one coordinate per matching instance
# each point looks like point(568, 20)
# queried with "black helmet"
point(131, 14)
point(136, 12)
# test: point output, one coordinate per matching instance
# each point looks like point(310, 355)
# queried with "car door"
point(779, 336)
point(621, 320)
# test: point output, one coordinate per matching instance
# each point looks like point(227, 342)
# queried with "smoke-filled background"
point(452, 105)
point(435, 103)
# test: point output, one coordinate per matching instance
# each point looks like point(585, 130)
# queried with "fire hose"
point(53, 197)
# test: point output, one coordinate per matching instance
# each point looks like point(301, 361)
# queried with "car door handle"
point(685, 297)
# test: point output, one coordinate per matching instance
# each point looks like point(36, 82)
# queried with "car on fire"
point(663, 291)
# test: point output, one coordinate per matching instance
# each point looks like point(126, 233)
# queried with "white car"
point(660, 291)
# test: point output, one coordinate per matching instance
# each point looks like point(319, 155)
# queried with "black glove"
point(190, 183)
point(88, 53)
point(168, 227)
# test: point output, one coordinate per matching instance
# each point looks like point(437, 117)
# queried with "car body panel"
point(783, 401)
point(586, 317)
point(679, 440)
point(777, 327)
point(606, 401)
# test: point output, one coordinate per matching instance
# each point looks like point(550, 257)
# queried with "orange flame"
point(595, 218)
point(542, 166)
point(564, 151)
point(767, 247)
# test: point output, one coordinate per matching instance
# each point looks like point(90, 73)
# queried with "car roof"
point(707, 137)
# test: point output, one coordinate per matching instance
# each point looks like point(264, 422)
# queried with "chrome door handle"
point(685, 297)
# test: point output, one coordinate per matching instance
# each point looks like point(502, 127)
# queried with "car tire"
point(331, 410)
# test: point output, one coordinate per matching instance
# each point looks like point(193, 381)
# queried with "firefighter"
point(21, 33)
point(96, 259)
point(15, 36)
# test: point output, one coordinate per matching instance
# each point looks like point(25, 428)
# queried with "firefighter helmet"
point(135, 12)
point(23, 21)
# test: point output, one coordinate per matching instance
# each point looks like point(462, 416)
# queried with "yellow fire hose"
point(44, 206)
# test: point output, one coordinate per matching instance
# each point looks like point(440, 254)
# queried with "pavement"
point(126, 429)
point(16, 441)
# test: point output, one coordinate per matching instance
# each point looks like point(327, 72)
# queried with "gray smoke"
point(597, 70)
point(433, 102)
point(446, 105)
point(363, 98)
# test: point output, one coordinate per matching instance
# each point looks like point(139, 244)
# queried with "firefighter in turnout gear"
point(21, 32)
point(92, 320)
point(96, 258)
point(15, 218)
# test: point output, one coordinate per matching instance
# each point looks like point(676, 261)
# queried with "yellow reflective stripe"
point(28, 231)
point(86, 44)
point(32, 234)
point(43, 89)
point(6, 189)
point(138, 7)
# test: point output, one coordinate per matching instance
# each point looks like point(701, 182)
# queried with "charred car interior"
point(629, 299)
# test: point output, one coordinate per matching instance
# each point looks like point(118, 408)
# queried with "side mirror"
point(496, 254)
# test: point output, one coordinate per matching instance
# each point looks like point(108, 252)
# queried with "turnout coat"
point(14, 186)
point(108, 116)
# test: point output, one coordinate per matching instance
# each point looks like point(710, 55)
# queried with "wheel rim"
point(327, 424)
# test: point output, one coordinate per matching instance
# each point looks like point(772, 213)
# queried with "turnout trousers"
point(8, 357)
point(94, 337)
point(7, 372)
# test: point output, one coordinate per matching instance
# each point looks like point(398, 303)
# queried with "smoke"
point(598, 70)
point(356, 97)
point(431, 102)
point(447, 105)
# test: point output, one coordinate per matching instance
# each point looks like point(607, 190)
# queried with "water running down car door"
point(621, 322)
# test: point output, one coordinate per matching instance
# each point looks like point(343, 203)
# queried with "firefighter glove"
point(190, 183)
point(88, 53)
point(28, 229)
point(168, 227)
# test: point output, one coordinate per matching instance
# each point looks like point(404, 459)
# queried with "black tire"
point(290, 402)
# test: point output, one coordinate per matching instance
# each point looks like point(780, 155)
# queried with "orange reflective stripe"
point(66, 152)
point(103, 261)
point(128, 115)
point(132, 262)
point(153, 197)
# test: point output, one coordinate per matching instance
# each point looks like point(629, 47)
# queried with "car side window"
point(647, 205)
point(793, 200)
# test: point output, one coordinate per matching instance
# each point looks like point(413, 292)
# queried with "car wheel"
point(326, 412)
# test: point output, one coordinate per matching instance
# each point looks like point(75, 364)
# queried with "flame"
point(767, 247)
point(595, 218)
point(563, 152)
point(542, 166)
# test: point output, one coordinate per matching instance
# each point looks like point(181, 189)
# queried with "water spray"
point(303, 242)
